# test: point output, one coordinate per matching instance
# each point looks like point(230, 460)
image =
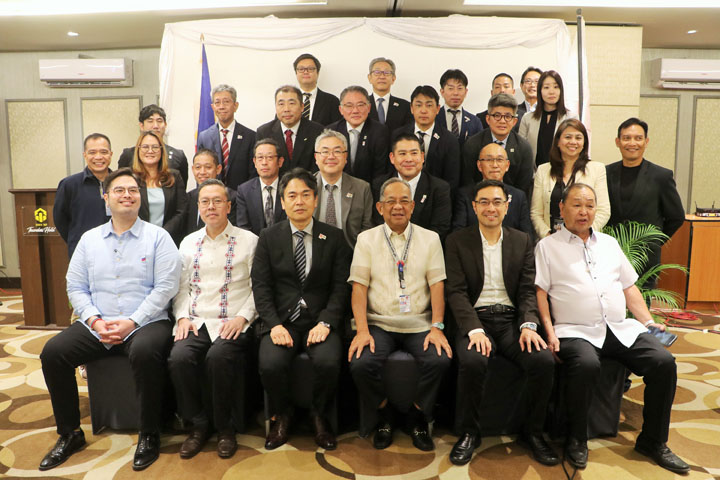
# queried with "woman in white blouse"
point(569, 163)
point(539, 127)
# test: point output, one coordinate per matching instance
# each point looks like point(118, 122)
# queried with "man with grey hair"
point(501, 118)
point(368, 139)
point(232, 141)
point(391, 111)
point(344, 202)
point(397, 276)
point(294, 133)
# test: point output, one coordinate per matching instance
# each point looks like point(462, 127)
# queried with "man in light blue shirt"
point(120, 281)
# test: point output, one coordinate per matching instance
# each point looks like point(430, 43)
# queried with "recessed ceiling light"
point(690, 32)
point(72, 34)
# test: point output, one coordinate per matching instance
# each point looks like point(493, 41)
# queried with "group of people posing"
point(362, 250)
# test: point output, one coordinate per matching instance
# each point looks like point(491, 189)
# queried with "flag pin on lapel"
point(512, 150)
point(348, 194)
point(395, 104)
point(436, 136)
point(322, 236)
point(467, 119)
point(422, 200)
point(239, 137)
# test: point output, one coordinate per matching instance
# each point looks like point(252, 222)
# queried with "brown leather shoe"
point(323, 435)
point(278, 432)
point(194, 443)
point(227, 445)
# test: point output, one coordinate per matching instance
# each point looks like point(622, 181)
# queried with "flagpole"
point(580, 62)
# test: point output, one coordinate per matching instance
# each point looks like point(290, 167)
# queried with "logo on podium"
point(40, 217)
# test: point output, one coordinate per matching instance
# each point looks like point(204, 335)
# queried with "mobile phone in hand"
point(666, 338)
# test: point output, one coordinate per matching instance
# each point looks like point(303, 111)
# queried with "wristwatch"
point(439, 325)
point(532, 326)
point(325, 324)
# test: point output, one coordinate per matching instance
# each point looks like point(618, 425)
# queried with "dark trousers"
point(646, 358)
point(274, 362)
point(538, 366)
point(367, 370)
point(147, 351)
point(204, 374)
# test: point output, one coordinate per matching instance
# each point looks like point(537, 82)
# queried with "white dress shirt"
point(493, 290)
point(426, 138)
point(265, 194)
point(585, 283)
point(413, 184)
point(307, 241)
point(322, 199)
point(231, 131)
point(215, 283)
point(449, 117)
point(294, 130)
point(313, 96)
point(385, 103)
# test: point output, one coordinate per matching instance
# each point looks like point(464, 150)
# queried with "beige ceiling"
point(662, 28)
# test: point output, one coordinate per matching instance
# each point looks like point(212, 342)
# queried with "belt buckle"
point(495, 309)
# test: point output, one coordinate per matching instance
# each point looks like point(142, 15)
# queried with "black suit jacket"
point(176, 160)
point(193, 222)
point(397, 114)
point(250, 209)
point(517, 217)
point(522, 110)
point(240, 166)
point(433, 207)
point(326, 109)
point(276, 285)
point(522, 163)
point(175, 206)
point(442, 158)
point(303, 148)
point(465, 269)
point(655, 201)
point(372, 156)
point(469, 124)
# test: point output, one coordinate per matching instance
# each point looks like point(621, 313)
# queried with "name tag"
point(404, 303)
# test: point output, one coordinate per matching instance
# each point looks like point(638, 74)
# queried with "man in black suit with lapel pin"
point(491, 291)
point(391, 111)
point(205, 166)
point(343, 200)
point(368, 140)
point(295, 135)
point(502, 117)
point(442, 150)
point(232, 141)
point(460, 122)
point(258, 199)
point(318, 106)
point(493, 163)
point(433, 207)
point(641, 191)
point(299, 277)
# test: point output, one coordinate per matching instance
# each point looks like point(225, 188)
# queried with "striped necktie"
point(225, 149)
point(306, 105)
point(300, 260)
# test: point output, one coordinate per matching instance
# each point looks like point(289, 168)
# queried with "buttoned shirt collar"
point(390, 232)
point(308, 229)
point(413, 183)
point(495, 139)
point(350, 127)
point(222, 236)
point(485, 243)
point(107, 229)
point(570, 237)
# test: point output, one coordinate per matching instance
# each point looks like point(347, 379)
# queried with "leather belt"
point(497, 308)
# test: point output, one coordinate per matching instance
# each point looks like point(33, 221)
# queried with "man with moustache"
point(389, 110)
point(318, 106)
point(460, 122)
point(205, 166)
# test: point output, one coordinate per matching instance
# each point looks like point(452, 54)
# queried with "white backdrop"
point(255, 56)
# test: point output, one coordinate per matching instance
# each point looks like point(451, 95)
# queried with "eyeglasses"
point(147, 148)
point(382, 73)
point(403, 202)
point(502, 116)
point(336, 152)
point(484, 203)
point(92, 153)
point(224, 102)
point(205, 202)
point(262, 158)
point(493, 161)
point(121, 190)
point(306, 69)
point(530, 82)
point(352, 106)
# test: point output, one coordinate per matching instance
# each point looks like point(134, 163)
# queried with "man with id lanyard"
point(397, 275)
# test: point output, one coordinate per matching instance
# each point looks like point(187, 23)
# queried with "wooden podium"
point(696, 246)
point(43, 259)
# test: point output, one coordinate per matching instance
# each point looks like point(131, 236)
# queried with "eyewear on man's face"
point(216, 202)
point(484, 202)
point(223, 103)
point(92, 153)
point(119, 191)
point(530, 82)
point(352, 106)
point(336, 152)
point(381, 73)
point(262, 158)
point(502, 116)
point(306, 69)
point(493, 161)
point(403, 202)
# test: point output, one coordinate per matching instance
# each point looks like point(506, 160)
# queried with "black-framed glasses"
point(306, 69)
point(502, 116)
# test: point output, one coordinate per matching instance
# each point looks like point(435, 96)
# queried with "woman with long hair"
point(162, 189)
point(569, 163)
point(539, 127)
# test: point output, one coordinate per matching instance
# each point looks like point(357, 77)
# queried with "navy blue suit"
point(372, 156)
point(240, 166)
point(397, 113)
point(442, 158)
point(251, 209)
point(469, 124)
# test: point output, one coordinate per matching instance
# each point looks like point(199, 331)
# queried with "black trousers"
point(274, 362)
point(367, 370)
point(646, 358)
point(147, 350)
point(204, 375)
point(538, 366)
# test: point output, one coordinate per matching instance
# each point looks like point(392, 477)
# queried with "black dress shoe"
point(227, 445)
point(541, 450)
point(463, 449)
point(65, 446)
point(147, 451)
point(662, 455)
point(576, 452)
point(194, 443)
point(383, 437)
point(324, 437)
point(278, 434)
point(421, 438)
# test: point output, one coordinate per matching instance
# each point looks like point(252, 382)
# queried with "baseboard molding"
point(9, 282)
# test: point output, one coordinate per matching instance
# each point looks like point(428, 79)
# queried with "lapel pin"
point(349, 195)
point(467, 119)
point(422, 200)
point(239, 137)
point(436, 136)
point(322, 236)
point(305, 139)
point(395, 104)
point(512, 150)
point(363, 144)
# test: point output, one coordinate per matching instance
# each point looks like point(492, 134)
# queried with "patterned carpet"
point(27, 431)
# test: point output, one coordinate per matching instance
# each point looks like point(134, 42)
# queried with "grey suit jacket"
point(356, 206)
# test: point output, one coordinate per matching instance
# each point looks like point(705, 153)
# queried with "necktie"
point(381, 110)
point(421, 137)
point(498, 142)
point(289, 143)
point(306, 105)
point(300, 267)
point(225, 149)
point(330, 216)
point(455, 127)
point(353, 146)
point(269, 217)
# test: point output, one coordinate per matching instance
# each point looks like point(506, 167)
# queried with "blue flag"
point(207, 117)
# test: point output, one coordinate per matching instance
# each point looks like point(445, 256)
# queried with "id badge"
point(404, 303)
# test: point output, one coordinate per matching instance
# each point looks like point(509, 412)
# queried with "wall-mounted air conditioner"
point(87, 72)
point(686, 73)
